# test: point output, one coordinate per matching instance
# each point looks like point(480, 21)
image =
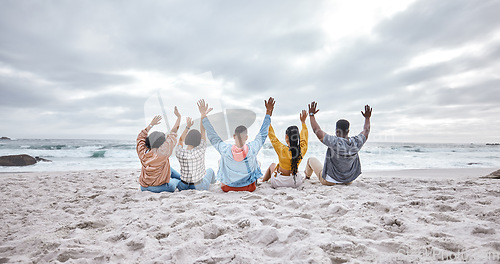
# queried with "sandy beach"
point(410, 216)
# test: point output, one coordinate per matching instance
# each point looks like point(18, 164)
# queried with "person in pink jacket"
point(154, 152)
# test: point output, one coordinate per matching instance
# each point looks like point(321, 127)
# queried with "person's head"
point(240, 136)
point(155, 140)
point(292, 138)
point(342, 128)
point(193, 138)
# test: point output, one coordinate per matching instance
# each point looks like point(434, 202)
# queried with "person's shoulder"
point(179, 149)
point(202, 145)
point(359, 138)
point(329, 138)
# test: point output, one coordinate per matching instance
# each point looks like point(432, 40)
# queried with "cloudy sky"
point(91, 69)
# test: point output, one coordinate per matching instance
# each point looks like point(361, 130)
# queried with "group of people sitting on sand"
point(239, 169)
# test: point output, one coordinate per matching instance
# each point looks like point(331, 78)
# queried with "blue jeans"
point(175, 179)
point(204, 184)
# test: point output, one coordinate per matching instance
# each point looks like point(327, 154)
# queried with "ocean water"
point(79, 154)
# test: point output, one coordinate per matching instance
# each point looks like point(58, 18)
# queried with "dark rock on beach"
point(38, 159)
point(19, 160)
point(4, 138)
point(493, 175)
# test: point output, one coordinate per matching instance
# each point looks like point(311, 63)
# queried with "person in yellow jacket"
point(286, 173)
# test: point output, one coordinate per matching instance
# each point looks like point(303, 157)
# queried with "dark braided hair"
point(294, 139)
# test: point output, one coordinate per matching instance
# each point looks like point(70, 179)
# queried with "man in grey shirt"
point(342, 164)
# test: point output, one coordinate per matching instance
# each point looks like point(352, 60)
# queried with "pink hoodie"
point(239, 154)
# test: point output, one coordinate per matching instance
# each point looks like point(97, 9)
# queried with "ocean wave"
point(48, 147)
point(98, 154)
point(76, 154)
point(119, 146)
point(415, 150)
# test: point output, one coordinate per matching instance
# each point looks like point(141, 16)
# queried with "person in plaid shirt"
point(192, 158)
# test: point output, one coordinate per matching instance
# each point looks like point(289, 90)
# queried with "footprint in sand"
point(392, 223)
point(444, 198)
point(444, 208)
point(416, 203)
point(297, 235)
point(116, 238)
point(73, 254)
point(265, 235)
point(483, 231)
point(243, 223)
point(134, 246)
point(336, 210)
point(439, 235)
point(90, 225)
point(212, 231)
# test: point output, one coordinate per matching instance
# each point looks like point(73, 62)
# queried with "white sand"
point(387, 217)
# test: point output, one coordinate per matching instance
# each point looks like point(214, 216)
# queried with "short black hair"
point(240, 130)
point(193, 138)
point(343, 125)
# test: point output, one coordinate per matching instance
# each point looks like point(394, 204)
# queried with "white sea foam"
point(115, 154)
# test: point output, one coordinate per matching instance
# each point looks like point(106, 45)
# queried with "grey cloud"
point(485, 94)
point(78, 45)
point(443, 23)
point(24, 94)
point(463, 63)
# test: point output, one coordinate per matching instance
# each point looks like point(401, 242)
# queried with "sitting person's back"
point(342, 165)
point(238, 167)
point(285, 173)
point(155, 160)
point(154, 152)
point(192, 159)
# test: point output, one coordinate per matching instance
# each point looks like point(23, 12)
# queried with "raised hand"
point(269, 106)
point(176, 112)
point(312, 108)
point(368, 111)
point(189, 122)
point(203, 108)
point(303, 116)
point(156, 120)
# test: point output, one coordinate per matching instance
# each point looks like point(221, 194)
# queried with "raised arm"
point(141, 138)
point(269, 106)
point(367, 114)
point(304, 135)
point(259, 140)
point(177, 122)
point(214, 139)
point(277, 145)
point(203, 108)
point(203, 113)
point(314, 125)
point(189, 124)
